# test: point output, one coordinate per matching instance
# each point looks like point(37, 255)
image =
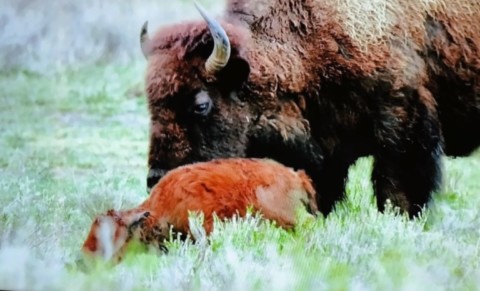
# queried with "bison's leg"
point(407, 180)
point(332, 180)
point(459, 114)
point(407, 161)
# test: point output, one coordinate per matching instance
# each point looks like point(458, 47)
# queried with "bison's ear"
point(234, 74)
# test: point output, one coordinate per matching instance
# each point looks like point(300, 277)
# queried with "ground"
point(73, 143)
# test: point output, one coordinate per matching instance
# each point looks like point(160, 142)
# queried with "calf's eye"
point(202, 104)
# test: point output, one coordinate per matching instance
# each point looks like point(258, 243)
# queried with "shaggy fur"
point(221, 187)
point(317, 84)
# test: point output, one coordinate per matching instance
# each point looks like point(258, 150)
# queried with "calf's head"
point(110, 232)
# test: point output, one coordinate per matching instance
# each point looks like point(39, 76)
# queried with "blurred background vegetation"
point(45, 36)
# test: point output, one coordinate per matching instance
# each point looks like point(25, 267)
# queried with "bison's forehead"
point(167, 76)
point(178, 54)
point(194, 37)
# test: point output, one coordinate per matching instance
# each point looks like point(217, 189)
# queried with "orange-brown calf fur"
point(221, 187)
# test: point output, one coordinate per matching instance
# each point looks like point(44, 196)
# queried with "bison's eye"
point(203, 104)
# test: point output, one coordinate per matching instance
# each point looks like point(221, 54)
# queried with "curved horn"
point(221, 50)
point(144, 39)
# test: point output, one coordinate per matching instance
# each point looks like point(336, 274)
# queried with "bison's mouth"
point(154, 175)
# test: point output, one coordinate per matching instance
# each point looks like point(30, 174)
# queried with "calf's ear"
point(135, 216)
point(234, 74)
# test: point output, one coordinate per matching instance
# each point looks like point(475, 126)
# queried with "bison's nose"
point(153, 176)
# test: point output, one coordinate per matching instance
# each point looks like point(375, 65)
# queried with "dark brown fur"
point(298, 88)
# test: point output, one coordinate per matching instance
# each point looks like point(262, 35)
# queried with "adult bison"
point(317, 84)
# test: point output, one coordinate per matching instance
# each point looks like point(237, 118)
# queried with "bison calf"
point(221, 187)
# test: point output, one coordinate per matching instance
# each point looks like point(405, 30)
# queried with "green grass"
point(74, 144)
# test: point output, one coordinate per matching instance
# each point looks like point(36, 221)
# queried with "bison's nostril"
point(153, 176)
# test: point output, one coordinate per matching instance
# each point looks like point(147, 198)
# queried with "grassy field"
point(73, 143)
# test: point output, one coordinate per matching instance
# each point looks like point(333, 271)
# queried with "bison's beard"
point(298, 151)
point(154, 175)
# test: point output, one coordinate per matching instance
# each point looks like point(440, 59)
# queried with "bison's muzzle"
point(154, 175)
